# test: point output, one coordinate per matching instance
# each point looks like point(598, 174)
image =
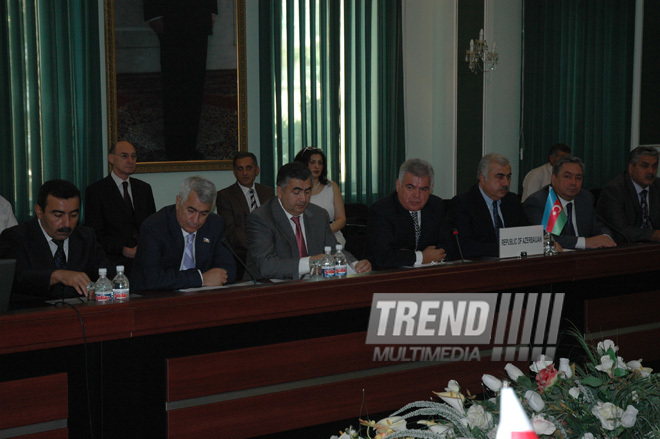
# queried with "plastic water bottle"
point(120, 285)
point(103, 287)
point(328, 263)
point(340, 262)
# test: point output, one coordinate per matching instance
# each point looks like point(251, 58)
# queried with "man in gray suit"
point(631, 202)
point(582, 230)
point(287, 232)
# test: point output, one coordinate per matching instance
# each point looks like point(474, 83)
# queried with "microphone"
point(458, 244)
point(231, 249)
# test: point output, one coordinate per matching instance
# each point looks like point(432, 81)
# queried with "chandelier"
point(479, 58)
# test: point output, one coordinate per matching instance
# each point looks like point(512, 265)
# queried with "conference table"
point(254, 360)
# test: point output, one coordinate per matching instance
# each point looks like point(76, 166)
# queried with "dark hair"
point(290, 171)
point(305, 156)
point(566, 159)
point(554, 149)
point(636, 153)
point(57, 188)
point(242, 155)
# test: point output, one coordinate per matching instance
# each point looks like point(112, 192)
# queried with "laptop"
point(7, 267)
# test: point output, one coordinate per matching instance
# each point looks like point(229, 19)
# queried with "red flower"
point(546, 378)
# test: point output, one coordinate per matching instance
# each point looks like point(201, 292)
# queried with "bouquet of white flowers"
point(606, 398)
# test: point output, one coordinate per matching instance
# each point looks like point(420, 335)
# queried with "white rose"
point(605, 345)
point(588, 436)
point(629, 417)
point(513, 372)
point(606, 365)
point(452, 386)
point(478, 417)
point(565, 368)
point(574, 392)
point(608, 414)
point(491, 382)
point(542, 426)
point(540, 364)
point(636, 366)
point(534, 400)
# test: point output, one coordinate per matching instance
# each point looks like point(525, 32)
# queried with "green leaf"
point(592, 381)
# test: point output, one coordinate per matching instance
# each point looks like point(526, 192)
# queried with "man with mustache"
point(631, 201)
point(582, 229)
point(486, 207)
point(54, 258)
point(287, 232)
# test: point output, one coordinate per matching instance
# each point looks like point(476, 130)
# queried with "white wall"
point(429, 45)
point(502, 86)
point(430, 65)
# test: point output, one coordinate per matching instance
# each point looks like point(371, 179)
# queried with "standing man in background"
point(237, 201)
point(538, 178)
point(116, 206)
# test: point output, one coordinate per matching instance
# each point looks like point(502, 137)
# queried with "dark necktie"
point(253, 201)
point(300, 240)
point(60, 256)
point(127, 196)
point(646, 221)
point(418, 229)
point(569, 230)
point(498, 221)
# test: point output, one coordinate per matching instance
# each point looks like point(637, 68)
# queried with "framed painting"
point(139, 89)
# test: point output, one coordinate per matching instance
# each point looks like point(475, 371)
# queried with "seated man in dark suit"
point(116, 206)
point(582, 229)
point(181, 246)
point(631, 201)
point(407, 227)
point(54, 258)
point(237, 201)
point(286, 232)
point(486, 207)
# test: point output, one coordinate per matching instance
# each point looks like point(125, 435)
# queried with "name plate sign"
point(515, 240)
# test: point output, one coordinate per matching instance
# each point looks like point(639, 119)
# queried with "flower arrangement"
point(606, 398)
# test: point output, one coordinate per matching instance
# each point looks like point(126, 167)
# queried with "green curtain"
point(331, 76)
point(50, 93)
point(578, 64)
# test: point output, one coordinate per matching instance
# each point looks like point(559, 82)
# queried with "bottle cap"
point(120, 268)
point(327, 248)
point(103, 271)
point(338, 247)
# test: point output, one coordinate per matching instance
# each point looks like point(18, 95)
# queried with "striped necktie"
point(253, 201)
point(188, 254)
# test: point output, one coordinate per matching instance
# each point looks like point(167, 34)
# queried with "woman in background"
point(325, 193)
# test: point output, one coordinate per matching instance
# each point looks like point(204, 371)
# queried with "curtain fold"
point(578, 65)
point(331, 77)
point(51, 93)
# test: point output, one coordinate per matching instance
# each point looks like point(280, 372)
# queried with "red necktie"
point(302, 248)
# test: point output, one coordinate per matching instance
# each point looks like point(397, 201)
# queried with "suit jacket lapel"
point(239, 199)
point(632, 193)
point(40, 244)
point(483, 213)
point(282, 224)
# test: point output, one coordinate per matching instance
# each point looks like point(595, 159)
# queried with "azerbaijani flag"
point(554, 217)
